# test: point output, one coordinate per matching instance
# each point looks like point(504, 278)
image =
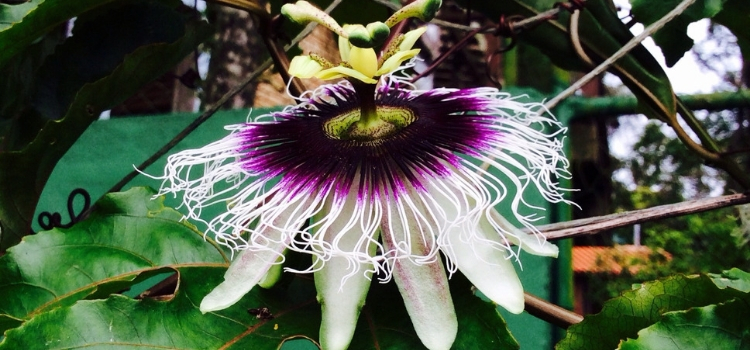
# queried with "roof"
point(593, 259)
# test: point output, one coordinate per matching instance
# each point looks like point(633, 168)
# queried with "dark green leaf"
point(480, 326)
point(19, 123)
point(723, 326)
point(20, 25)
point(131, 238)
point(624, 316)
point(672, 38)
point(7, 322)
point(25, 172)
point(97, 47)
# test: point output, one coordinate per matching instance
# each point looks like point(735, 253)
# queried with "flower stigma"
point(350, 125)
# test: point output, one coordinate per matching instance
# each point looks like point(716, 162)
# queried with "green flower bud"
point(378, 32)
point(359, 36)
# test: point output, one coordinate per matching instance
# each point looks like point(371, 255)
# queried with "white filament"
point(524, 153)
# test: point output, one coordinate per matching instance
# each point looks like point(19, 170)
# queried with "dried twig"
point(598, 224)
point(549, 312)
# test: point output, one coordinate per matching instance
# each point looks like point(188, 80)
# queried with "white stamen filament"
point(453, 208)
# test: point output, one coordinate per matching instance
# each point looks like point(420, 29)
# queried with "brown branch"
point(598, 224)
point(459, 45)
point(281, 62)
point(549, 312)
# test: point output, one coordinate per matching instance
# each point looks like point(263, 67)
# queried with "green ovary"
point(351, 126)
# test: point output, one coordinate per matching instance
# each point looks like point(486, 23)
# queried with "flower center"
point(351, 125)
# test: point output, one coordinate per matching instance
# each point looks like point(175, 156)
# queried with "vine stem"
point(619, 54)
point(549, 105)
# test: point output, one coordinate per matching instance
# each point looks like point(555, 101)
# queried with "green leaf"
point(128, 238)
point(176, 323)
point(7, 322)
point(24, 173)
point(624, 316)
point(601, 34)
point(672, 38)
point(723, 326)
point(19, 123)
point(480, 325)
point(734, 278)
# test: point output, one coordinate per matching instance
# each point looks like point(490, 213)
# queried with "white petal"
point(341, 283)
point(243, 274)
point(250, 266)
point(485, 264)
point(423, 286)
point(340, 305)
point(530, 243)
point(489, 270)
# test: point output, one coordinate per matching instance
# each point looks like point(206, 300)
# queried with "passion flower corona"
point(377, 179)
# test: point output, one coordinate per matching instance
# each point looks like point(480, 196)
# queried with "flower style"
point(377, 180)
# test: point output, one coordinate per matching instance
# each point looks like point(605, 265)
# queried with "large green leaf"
point(44, 283)
point(293, 313)
point(624, 316)
point(40, 87)
point(734, 278)
point(601, 34)
point(24, 173)
point(723, 326)
point(672, 38)
point(19, 123)
point(174, 324)
point(129, 237)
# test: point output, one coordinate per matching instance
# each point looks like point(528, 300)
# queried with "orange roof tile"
point(612, 259)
